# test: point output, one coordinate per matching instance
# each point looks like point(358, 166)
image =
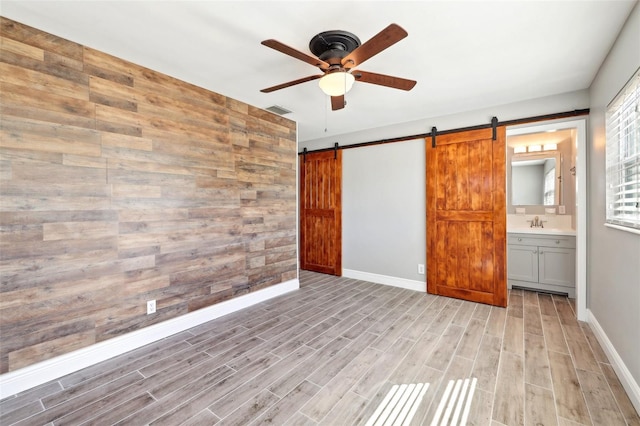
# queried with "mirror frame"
point(539, 156)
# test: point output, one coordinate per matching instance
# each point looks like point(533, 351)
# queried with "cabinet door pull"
point(541, 252)
point(535, 251)
point(519, 239)
point(557, 241)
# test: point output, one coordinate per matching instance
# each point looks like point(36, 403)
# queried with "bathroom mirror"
point(535, 179)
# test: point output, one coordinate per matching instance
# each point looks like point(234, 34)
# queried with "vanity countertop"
point(542, 231)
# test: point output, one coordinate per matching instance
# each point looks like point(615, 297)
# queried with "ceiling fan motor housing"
point(332, 46)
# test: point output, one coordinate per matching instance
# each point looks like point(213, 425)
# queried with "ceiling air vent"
point(278, 110)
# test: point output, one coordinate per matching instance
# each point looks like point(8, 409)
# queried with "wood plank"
point(119, 180)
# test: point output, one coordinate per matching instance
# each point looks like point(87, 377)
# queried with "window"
point(623, 156)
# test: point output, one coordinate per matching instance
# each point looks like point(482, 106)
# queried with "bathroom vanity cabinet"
point(542, 262)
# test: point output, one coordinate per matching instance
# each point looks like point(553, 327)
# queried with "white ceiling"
point(465, 55)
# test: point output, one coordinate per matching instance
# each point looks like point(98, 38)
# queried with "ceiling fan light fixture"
point(336, 83)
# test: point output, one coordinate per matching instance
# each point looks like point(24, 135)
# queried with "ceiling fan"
point(337, 54)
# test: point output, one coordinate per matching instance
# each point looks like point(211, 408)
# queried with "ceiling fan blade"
point(384, 80)
point(287, 50)
point(337, 102)
point(290, 83)
point(385, 38)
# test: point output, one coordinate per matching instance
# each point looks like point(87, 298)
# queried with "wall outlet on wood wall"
point(151, 307)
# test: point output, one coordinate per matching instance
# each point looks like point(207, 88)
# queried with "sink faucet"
point(536, 223)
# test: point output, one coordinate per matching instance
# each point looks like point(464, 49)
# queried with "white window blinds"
point(623, 156)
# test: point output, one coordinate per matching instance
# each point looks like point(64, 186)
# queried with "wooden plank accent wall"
point(120, 185)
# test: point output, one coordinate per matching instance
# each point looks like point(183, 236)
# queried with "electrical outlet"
point(151, 307)
point(420, 268)
point(562, 210)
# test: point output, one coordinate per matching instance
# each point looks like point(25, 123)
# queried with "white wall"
point(383, 202)
point(613, 256)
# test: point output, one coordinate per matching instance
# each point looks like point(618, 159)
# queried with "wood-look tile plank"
point(547, 307)
point(286, 407)
point(320, 405)
point(377, 375)
point(566, 422)
point(464, 313)
point(459, 368)
point(391, 335)
point(580, 349)
point(8, 417)
point(301, 339)
point(407, 371)
point(482, 311)
point(480, 411)
point(626, 407)
point(515, 306)
point(569, 399)
point(196, 396)
point(423, 322)
point(288, 381)
point(253, 408)
point(532, 320)
point(443, 319)
point(509, 397)
point(203, 418)
point(485, 368)
point(513, 335)
point(553, 334)
point(299, 419)
point(565, 311)
point(90, 401)
point(116, 413)
point(495, 324)
point(441, 355)
point(470, 342)
point(539, 406)
point(345, 411)
point(335, 365)
point(536, 362)
point(427, 375)
point(32, 395)
point(530, 298)
point(602, 405)
point(227, 404)
point(336, 331)
point(597, 350)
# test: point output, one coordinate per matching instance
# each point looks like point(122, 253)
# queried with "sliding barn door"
point(466, 216)
point(321, 212)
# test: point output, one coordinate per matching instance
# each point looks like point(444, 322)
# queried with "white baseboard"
point(54, 368)
point(386, 280)
point(627, 380)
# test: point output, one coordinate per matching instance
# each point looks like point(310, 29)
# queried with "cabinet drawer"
point(542, 240)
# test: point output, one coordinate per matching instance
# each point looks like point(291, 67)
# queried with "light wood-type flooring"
point(329, 353)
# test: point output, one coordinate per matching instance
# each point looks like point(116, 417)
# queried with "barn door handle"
point(335, 151)
point(304, 155)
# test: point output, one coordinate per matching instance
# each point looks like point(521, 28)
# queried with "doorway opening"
point(564, 197)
